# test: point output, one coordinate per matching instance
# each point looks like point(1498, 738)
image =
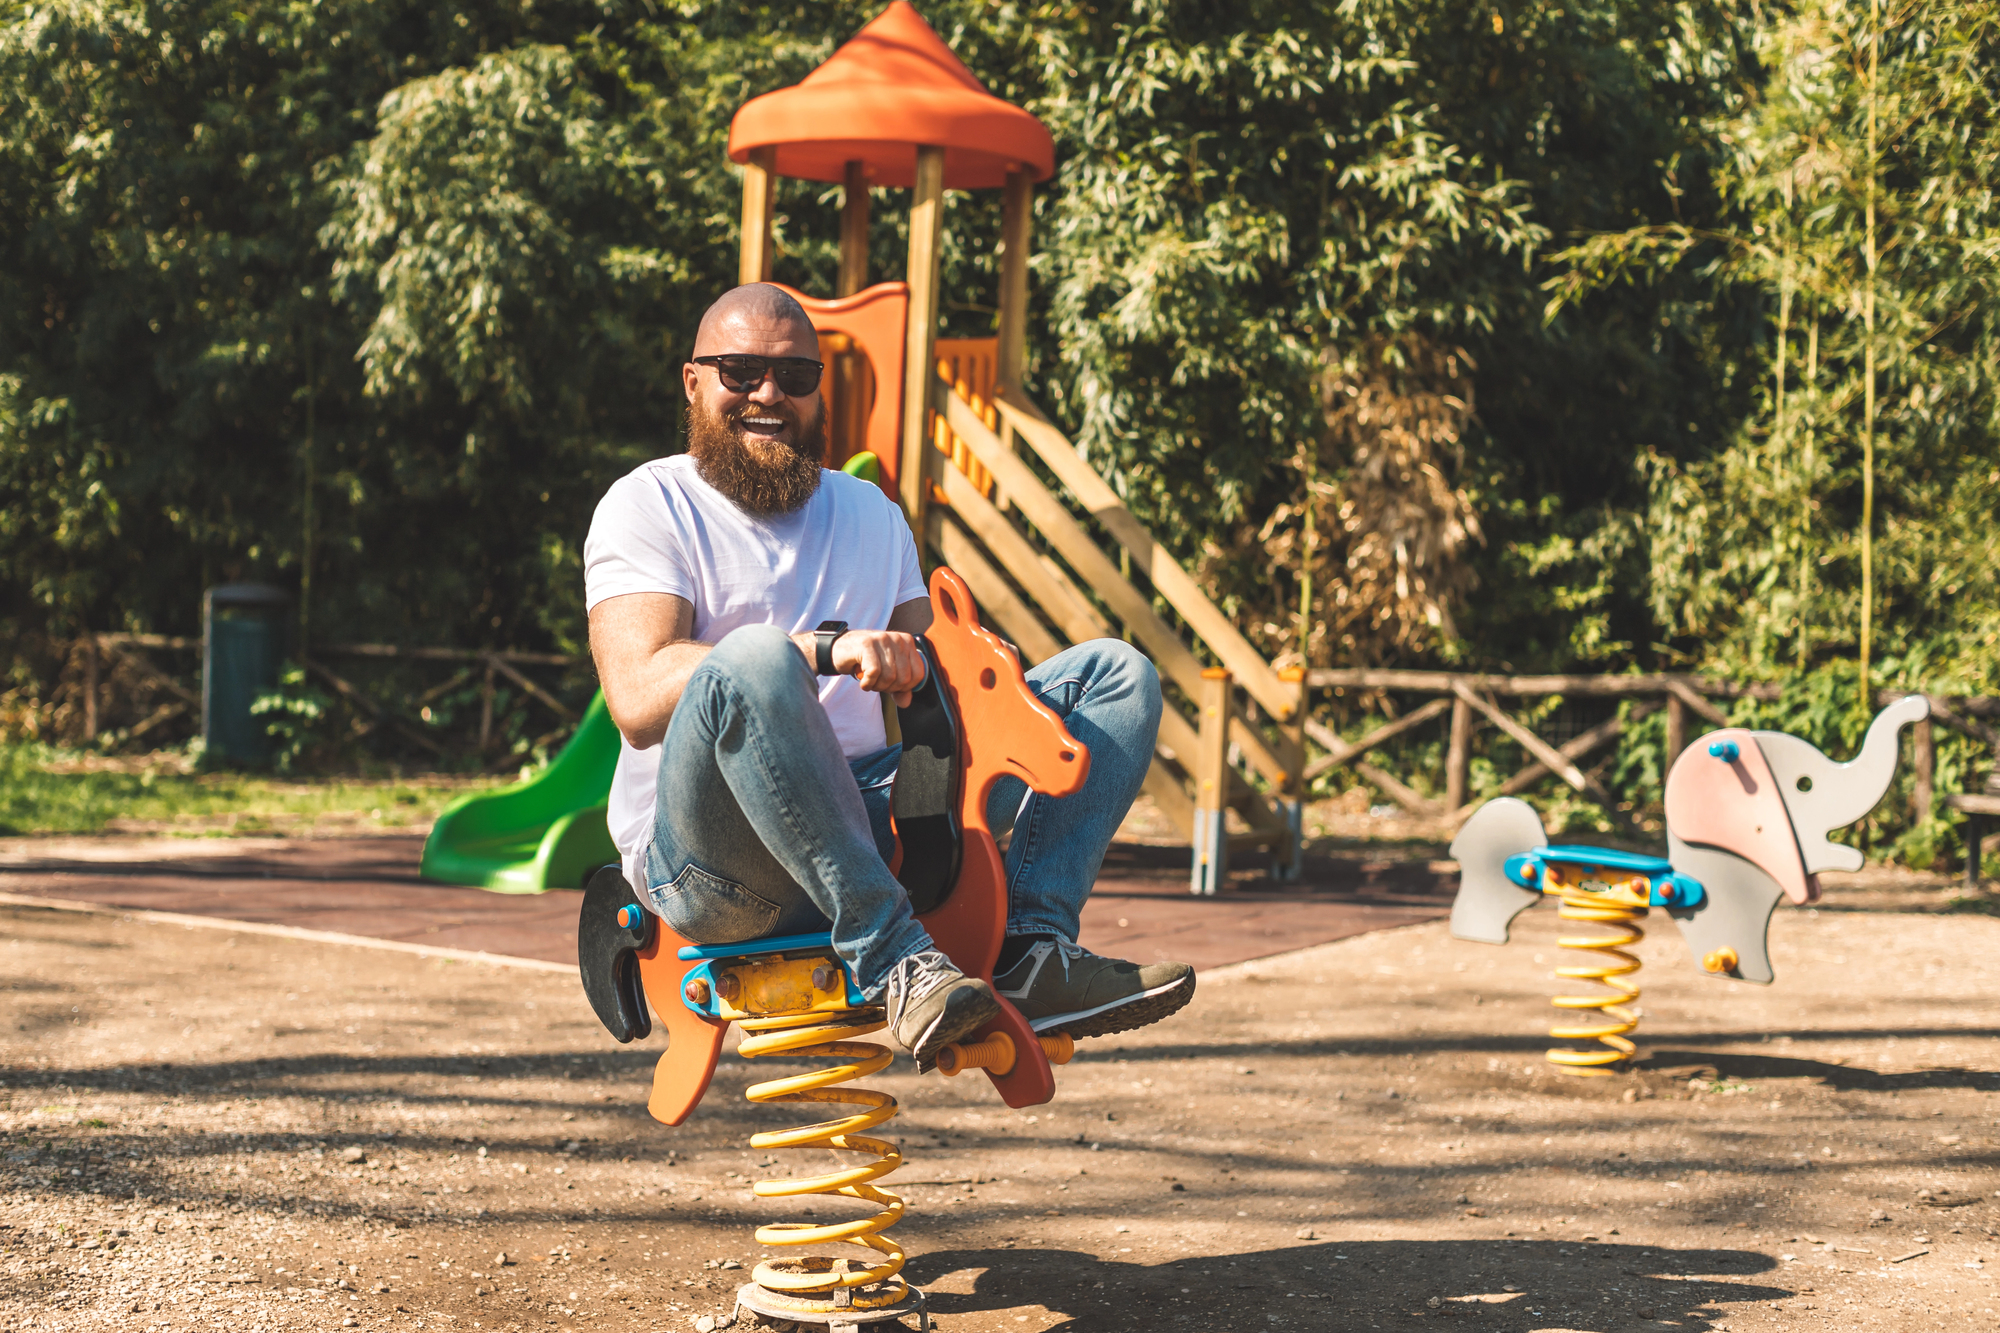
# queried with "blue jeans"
point(764, 828)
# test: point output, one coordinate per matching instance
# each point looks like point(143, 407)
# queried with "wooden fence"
point(408, 719)
point(1474, 700)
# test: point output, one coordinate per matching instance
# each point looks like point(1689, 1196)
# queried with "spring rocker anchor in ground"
point(974, 721)
point(1748, 813)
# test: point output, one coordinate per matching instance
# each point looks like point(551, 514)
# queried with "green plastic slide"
point(546, 833)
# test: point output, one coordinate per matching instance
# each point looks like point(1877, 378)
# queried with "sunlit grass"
point(44, 790)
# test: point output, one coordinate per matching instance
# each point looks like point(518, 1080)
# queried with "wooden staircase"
point(1042, 577)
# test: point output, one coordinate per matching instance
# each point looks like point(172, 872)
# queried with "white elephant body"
point(1719, 833)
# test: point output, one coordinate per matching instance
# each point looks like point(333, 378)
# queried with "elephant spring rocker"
point(1748, 813)
point(973, 721)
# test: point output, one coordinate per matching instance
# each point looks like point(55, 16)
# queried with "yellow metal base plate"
point(777, 1307)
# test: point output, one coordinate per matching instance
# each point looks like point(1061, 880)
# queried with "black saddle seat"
point(926, 794)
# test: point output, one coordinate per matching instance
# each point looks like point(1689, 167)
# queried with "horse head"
point(1007, 731)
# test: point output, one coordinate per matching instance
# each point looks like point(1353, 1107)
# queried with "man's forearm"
point(644, 656)
point(643, 705)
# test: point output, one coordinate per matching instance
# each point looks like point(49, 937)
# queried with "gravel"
point(211, 1129)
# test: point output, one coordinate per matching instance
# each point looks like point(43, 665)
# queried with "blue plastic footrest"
point(746, 948)
point(1606, 856)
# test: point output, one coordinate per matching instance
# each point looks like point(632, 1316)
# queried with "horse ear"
point(951, 599)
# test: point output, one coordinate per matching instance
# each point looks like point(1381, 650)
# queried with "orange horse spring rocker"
point(973, 721)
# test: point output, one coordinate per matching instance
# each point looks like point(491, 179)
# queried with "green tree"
point(1861, 183)
point(376, 300)
point(184, 400)
point(1359, 189)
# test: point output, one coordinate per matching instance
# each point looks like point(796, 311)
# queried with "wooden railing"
point(408, 718)
point(1046, 582)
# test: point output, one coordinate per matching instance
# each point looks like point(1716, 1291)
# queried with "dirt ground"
point(205, 1129)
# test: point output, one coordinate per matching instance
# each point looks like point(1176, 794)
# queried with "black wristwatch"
point(823, 637)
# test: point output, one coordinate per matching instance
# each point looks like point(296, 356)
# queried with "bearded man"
point(748, 608)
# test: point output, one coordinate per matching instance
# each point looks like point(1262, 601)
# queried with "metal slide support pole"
point(1288, 861)
point(1211, 786)
point(1017, 222)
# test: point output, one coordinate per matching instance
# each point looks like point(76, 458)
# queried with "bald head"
point(758, 319)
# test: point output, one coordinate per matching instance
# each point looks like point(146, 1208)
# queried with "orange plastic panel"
point(1737, 807)
point(894, 86)
point(1004, 730)
point(970, 366)
point(874, 319)
point(693, 1042)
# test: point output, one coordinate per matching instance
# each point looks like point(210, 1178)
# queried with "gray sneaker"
point(1063, 987)
point(932, 1004)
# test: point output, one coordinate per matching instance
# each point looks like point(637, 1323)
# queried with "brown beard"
point(760, 476)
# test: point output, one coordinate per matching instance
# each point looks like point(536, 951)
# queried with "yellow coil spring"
point(811, 1281)
point(1609, 973)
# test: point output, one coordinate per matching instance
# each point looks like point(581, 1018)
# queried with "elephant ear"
point(1721, 793)
point(1487, 900)
point(1821, 795)
point(1736, 915)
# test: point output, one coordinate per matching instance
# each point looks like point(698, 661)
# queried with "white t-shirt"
point(846, 554)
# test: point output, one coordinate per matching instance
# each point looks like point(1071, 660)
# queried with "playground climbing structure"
point(990, 485)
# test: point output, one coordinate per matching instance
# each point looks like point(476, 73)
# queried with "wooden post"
point(918, 471)
point(1677, 731)
point(1288, 862)
point(1974, 837)
point(1923, 764)
point(1211, 786)
point(1016, 224)
point(486, 712)
point(1458, 758)
point(847, 417)
point(754, 263)
point(90, 687)
point(853, 230)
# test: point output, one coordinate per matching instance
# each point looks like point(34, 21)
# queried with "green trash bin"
point(242, 645)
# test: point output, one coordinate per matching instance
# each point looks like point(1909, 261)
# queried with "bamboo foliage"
point(1378, 540)
point(1851, 517)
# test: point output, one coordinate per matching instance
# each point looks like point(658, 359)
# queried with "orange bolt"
point(697, 991)
point(727, 986)
point(995, 1053)
point(1720, 960)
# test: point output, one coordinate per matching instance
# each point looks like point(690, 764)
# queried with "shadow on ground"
point(1732, 1065)
point(1597, 1286)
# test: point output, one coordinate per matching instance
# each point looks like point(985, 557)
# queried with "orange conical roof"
point(893, 86)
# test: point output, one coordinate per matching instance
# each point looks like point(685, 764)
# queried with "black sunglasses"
point(795, 376)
